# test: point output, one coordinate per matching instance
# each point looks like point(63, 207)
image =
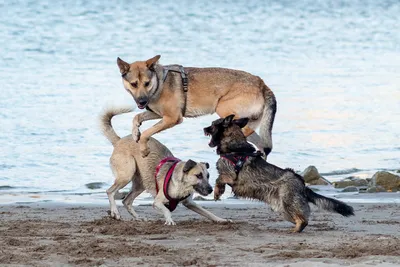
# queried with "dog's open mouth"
point(141, 106)
point(211, 143)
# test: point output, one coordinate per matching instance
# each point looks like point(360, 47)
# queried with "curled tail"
point(267, 119)
point(105, 123)
point(329, 204)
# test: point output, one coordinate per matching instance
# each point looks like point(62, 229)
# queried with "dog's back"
point(126, 159)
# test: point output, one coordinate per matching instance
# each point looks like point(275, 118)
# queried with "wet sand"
point(48, 234)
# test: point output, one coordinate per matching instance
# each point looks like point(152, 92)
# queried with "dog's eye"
point(134, 85)
point(199, 176)
point(146, 84)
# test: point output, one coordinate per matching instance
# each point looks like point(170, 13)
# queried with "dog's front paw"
point(136, 134)
point(218, 192)
point(220, 220)
point(169, 221)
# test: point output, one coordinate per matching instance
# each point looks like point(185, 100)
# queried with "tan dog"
point(161, 89)
point(129, 166)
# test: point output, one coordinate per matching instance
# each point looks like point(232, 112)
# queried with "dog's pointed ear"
point(189, 165)
point(123, 66)
point(228, 120)
point(152, 61)
point(207, 165)
point(241, 122)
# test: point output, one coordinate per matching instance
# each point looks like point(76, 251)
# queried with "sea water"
point(333, 66)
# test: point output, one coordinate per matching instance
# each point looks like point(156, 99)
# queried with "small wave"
point(6, 187)
point(340, 172)
point(6, 166)
point(40, 50)
point(48, 192)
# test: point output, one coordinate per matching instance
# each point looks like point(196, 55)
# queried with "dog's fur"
point(129, 166)
point(282, 189)
point(211, 90)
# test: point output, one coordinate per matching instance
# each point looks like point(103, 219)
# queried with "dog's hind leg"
point(301, 223)
point(267, 121)
point(190, 204)
point(111, 192)
point(137, 189)
point(296, 211)
point(249, 129)
point(123, 172)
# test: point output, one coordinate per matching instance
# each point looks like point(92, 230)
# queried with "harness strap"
point(185, 81)
point(238, 159)
point(173, 202)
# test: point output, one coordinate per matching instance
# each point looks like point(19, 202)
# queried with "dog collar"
point(173, 202)
point(238, 159)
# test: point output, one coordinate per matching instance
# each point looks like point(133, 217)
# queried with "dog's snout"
point(142, 101)
point(209, 189)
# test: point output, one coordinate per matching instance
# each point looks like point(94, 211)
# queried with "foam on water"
point(333, 66)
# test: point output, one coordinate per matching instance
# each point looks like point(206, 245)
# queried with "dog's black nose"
point(209, 190)
point(142, 101)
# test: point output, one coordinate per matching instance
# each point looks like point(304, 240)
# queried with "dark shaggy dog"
point(252, 177)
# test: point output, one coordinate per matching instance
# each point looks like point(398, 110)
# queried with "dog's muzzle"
point(142, 102)
point(203, 190)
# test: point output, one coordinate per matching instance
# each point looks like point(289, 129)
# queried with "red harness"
point(238, 159)
point(173, 202)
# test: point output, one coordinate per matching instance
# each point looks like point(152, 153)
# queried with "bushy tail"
point(329, 204)
point(105, 123)
point(267, 120)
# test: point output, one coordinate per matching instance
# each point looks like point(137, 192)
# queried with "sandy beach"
point(48, 234)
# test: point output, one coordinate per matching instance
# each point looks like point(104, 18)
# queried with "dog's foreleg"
point(164, 123)
point(159, 205)
point(139, 119)
point(219, 190)
point(190, 204)
point(220, 184)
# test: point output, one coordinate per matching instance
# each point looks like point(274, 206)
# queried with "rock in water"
point(95, 185)
point(350, 181)
point(376, 189)
point(350, 189)
point(387, 180)
point(312, 176)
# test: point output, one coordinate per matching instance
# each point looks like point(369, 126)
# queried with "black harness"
point(185, 81)
point(238, 159)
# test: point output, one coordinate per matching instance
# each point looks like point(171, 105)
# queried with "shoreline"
point(100, 197)
point(44, 234)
